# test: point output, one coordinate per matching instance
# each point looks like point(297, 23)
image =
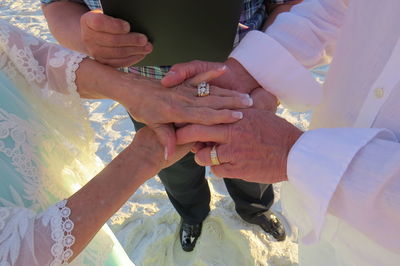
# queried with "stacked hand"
point(255, 148)
point(159, 107)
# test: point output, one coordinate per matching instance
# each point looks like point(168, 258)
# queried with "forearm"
point(63, 19)
point(97, 201)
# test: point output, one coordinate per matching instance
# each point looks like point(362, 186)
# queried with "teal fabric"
point(12, 188)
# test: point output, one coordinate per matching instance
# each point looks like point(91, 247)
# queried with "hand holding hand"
point(109, 41)
point(151, 103)
point(147, 149)
point(254, 149)
point(235, 78)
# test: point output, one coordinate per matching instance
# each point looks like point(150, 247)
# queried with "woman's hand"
point(159, 107)
point(147, 148)
point(152, 104)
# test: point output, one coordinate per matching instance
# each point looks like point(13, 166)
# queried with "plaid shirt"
point(253, 16)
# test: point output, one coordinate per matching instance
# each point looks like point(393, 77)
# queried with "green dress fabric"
point(47, 152)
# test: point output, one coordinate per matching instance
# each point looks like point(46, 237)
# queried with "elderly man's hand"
point(264, 100)
point(235, 78)
point(254, 149)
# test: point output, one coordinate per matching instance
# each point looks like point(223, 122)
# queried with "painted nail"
point(166, 153)
point(238, 115)
point(247, 101)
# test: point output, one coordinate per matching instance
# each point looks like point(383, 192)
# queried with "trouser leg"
point(186, 187)
point(251, 199)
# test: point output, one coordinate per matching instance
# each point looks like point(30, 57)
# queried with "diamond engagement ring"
point(203, 89)
point(214, 156)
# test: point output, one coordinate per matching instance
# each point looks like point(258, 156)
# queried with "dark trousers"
point(188, 191)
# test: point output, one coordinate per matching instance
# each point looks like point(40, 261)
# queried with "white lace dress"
point(46, 153)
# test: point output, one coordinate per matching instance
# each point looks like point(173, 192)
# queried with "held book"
point(181, 30)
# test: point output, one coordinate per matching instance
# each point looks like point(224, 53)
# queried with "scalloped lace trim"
point(61, 234)
point(72, 66)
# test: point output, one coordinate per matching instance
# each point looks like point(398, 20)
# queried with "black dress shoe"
point(271, 224)
point(188, 234)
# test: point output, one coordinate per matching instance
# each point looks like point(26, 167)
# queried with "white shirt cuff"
point(317, 163)
point(276, 70)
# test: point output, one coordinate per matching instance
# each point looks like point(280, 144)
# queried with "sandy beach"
point(147, 224)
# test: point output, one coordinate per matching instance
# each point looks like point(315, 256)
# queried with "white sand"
point(147, 225)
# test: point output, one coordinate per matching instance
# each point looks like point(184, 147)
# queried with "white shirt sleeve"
point(297, 40)
point(353, 174)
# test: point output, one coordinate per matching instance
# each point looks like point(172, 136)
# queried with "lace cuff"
point(72, 67)
point(61, 234)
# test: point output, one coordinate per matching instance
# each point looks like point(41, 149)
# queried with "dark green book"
point(181, 30)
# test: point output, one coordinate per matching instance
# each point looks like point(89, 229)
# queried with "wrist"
point(97, 81)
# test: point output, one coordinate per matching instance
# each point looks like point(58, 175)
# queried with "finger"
point(227, 171)
point(119, 52)
point(181, 72)
point(121, 62)
point(166, 136)
point(203, 156)
point(218, 103)
point(217, 91)
point(119, 40)
point(208, 116)
point(207, 76)
point(200, 133)
point(179, 125)
point(198, 146)
point(97, 21)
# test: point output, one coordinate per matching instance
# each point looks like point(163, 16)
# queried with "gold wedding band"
point(214, 156)
point(203, 89)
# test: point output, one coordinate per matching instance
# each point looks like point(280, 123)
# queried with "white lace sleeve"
point(47, 65)
point(29, 239)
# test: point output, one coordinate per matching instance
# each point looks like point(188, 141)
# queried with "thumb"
point(166, 136)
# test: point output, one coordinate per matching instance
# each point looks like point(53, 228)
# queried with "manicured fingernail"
point(238, 115)
point(126, 26)
point(166, 153)
point(247, 101)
